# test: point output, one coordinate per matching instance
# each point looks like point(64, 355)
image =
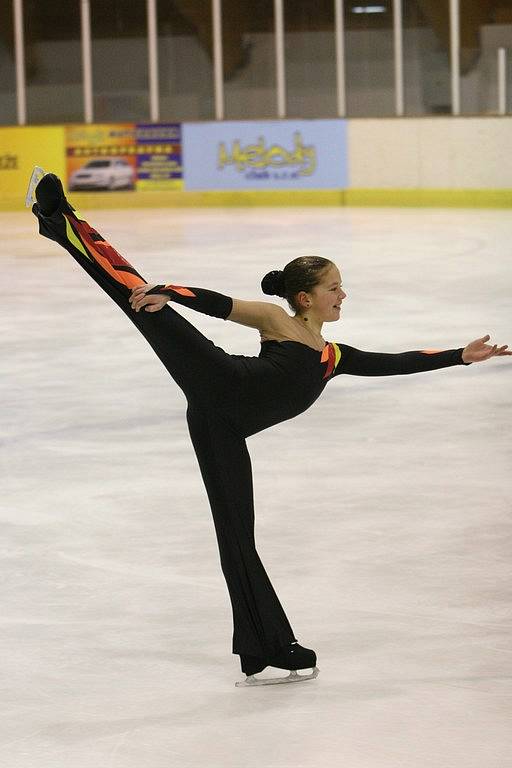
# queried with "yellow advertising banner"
point(21, 148)
point(124, 156)
point(101, 157)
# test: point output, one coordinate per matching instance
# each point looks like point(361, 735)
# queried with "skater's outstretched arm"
point(356, 362)
point(254, 314)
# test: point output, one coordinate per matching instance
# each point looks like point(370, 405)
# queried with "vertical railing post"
point(218, 70)
point(339, 34)
point(154, 106)
point(502, 81)
point(19, 48)
point(455, 54)
point(398, 57)
point(85, 18)
point(280, 67)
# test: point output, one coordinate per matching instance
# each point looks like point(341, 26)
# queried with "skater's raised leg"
point(186, 353)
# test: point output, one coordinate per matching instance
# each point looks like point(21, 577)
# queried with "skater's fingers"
point(149, 301)
point(138, 303)
point(139, 290)
point(136, 298)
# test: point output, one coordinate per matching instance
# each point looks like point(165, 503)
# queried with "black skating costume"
point(230, 397)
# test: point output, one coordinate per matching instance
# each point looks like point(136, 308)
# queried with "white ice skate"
point(293, 677)
point(37, 175)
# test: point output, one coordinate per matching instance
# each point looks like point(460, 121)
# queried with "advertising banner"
point(285, 154)
point(21, 148)
point(159, 156)
point(123, 156)
point(101, 157)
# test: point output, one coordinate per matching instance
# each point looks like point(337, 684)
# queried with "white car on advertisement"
point(103, 173)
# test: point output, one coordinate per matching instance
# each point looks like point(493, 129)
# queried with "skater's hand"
point(153, 303)
point(477, 350)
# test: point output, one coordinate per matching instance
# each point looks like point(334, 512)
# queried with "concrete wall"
point(431, 153)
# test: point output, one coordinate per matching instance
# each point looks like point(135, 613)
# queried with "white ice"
point(383, 513)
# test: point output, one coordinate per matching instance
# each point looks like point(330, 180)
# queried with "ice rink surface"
point(383, 513)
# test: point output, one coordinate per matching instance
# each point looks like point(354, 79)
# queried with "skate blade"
point(37, 175)
point(293, 677)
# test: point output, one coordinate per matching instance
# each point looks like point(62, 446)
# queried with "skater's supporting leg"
point(260, 624)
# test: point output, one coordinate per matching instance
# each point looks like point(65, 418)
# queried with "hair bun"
point(273, 283)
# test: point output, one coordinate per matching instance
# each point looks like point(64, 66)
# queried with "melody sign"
point(263, 158)
point(300, 154)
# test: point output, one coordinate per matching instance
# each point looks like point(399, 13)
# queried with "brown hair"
point(301, 274)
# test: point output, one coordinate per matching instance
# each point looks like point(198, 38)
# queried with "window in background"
point(7, 66)
point(119, 60)
point(310, 58)
point(249, 61)
point(485, 26)
point(369, 58)
point(53, 63)
point(185, 60)
point(427, 71)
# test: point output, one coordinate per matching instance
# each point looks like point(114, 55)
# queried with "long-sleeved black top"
point(287, 376)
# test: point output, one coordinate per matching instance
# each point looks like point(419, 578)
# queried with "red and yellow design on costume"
point(210, 302)
point(331, 355)
point(180, 289)
point(98, 250)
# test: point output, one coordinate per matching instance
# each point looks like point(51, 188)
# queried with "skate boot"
point(291, 657)
point(47, 190)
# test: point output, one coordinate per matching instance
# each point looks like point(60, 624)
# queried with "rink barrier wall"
point(441, 162)
point(396, 198)
point(432, 198)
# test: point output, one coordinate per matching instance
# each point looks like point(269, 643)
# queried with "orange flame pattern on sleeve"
point(180, 289)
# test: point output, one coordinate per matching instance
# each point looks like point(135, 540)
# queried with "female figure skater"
point(231, 397)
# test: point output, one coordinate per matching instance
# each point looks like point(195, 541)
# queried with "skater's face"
point(325, 299)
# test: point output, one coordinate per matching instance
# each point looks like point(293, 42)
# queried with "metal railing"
point(218, 84)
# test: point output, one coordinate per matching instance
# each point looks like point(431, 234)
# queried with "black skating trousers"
point(209, 377)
